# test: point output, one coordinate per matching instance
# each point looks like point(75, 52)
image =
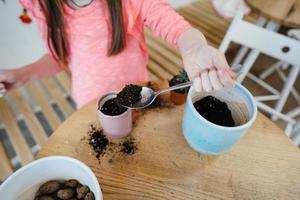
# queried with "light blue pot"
point(208, 138)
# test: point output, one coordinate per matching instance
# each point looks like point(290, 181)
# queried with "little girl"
point(102, 43)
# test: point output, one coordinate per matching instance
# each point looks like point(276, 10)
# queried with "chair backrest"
point(263, 40)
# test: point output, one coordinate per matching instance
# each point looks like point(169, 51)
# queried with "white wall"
point(20, 43)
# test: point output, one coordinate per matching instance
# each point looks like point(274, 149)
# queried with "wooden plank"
point(274, 10)
point(206, 7)
point(150, 36)
point(5, 164)
point(14, 133)
point(30, 119)
point(65, 81)
point(43, 102)
point(166, 54)
point(160, 53)
point(152, 76)
point(165, 64)
point(58, 96)
point(210, 22)
point(293, 19)
point(215, 22)
point(210, 33)
point(158, 71)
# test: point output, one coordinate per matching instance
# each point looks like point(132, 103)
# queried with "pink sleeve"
point(163, 20)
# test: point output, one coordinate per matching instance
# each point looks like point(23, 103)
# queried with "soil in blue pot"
point(215, 111)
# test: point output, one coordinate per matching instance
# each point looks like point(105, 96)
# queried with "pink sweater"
point(89, 35)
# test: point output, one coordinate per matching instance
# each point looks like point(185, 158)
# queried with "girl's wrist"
point(191, 39)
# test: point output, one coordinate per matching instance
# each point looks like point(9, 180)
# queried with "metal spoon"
point(148, 95)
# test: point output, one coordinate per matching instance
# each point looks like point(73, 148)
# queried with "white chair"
point(262, 22)
point(270, 43)
point(279, 67)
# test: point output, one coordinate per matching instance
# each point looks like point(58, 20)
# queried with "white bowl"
point(24, 183)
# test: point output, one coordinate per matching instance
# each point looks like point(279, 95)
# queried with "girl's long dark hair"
point(57, 36)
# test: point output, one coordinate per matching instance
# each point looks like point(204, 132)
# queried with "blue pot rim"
point(243, 126)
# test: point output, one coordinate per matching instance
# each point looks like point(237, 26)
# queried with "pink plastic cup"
point(114, 126)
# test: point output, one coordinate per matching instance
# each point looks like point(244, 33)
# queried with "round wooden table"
point(284, 12)
point(265, 164)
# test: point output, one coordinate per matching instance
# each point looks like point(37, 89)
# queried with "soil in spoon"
point(130, 95)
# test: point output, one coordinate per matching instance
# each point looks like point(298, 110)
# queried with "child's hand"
point(208, 68)
point(10, 79)
point(205, 65)
point(45, 66)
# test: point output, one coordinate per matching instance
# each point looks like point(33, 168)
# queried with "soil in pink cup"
point(115, 120)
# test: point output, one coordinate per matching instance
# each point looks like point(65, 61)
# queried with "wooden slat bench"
point(29, 114)
point(5, 165)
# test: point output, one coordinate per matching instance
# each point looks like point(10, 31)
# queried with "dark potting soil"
point(112, 108)
point(128, 146)
point(130, 95)
point(103, 146)
point(215, 111)
point(98, 141)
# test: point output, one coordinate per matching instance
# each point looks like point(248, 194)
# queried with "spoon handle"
point(235, 68)
point(175, 87)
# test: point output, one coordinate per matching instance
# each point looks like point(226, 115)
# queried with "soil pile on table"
point(112, 108)
point(128, 146)
point(130, 95)
point(102, 145)
point(215, 111)
point(98, 141)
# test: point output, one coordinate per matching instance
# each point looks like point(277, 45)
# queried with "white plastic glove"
point(205, 65)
